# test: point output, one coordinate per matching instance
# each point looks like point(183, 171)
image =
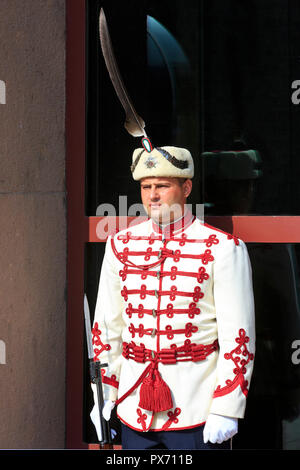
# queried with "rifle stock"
point(96, 378)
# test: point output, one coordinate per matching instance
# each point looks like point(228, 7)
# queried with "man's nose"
point(154, 195)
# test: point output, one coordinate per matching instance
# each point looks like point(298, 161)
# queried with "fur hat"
point(173, 162)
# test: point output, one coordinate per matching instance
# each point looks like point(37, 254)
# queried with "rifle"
point(96, 377)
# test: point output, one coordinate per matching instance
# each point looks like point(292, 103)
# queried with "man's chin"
point(156, 216)
point(161, 218)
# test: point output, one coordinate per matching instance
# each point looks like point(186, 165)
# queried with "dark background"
point(235, 95)
point(243, 59)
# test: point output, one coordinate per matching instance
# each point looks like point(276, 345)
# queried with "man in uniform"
point(174, 318)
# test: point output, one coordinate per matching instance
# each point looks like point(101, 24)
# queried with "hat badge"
point(151, 162)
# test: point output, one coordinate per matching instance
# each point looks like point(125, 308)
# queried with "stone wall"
point(33, 224)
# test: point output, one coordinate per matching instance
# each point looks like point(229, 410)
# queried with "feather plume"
point(134, 124)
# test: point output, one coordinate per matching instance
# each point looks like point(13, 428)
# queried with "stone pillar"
point(33, 224)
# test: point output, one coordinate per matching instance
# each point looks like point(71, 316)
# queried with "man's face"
point(164, 198)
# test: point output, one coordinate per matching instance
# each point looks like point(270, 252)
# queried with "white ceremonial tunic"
point(181, 301)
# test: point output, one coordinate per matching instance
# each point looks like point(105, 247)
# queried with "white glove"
point(107, 409)
point(218, 428)
point(106, 412)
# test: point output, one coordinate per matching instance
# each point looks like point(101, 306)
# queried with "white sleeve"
point(108, 324)
point(234, 303)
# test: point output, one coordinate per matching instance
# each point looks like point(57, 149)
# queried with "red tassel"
point(162, 394)
point(155, 394)
point(147, 393)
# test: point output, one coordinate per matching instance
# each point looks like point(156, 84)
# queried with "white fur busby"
point(173, 162)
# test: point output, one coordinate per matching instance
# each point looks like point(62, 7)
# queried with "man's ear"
point(187, 187)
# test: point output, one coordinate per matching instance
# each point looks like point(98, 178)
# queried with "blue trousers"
point(187, 439)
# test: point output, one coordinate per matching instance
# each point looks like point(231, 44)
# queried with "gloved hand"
point(219, 428)
point(106, 412)
point(107, 409)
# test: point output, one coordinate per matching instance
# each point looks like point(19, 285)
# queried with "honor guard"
point(174, 317)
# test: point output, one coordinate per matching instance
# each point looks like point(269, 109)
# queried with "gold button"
point(156, 293)
point(154, 313)
point(153, 332)
point(153, 354)
point(158, 274)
